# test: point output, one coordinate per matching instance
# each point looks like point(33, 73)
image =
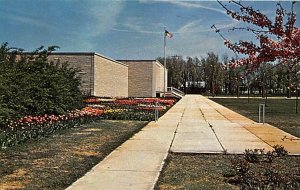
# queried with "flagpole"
point(165, 60)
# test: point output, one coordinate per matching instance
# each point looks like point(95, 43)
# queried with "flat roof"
point(87, 53)
point(119, 61)
point(137, 60)
point(142, 60)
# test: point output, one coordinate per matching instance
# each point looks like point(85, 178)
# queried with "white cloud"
point(136, 31)
point(229, 25)
point(28, 21)
point(194, 44)
point(190, 27)
point(103, 16)
point(133, 23)
point(197, 26)
point(139, 25)
point(97, 19)
point(196, 5)
point(188, 4)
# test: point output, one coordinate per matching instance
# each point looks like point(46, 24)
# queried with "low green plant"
point(279, 150)
point(253, 155)
point(259, 155)
point(258, 171)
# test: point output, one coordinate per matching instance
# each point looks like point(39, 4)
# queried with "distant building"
point(104, 77)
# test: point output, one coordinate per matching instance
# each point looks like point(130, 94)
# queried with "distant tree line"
point(213, 75)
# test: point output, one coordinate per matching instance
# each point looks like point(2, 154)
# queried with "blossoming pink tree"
point(278, 39)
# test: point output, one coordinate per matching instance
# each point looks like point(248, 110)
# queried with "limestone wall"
point(83, 61)
point(111, 77)
point(105, 77)
point(159, 77)
point(145, 77)
point(101, 76)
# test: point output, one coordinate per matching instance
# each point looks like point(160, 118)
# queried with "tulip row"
point(131, 109)
point(29, 127)
point(132, 101)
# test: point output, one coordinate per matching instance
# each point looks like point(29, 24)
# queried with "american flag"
point(169, 34)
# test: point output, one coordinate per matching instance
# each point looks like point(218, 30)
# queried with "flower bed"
point(29, 127)
point(132, 108)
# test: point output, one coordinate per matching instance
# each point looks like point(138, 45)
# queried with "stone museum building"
point(104, 77)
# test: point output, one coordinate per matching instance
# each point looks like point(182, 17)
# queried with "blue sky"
point(122, 29)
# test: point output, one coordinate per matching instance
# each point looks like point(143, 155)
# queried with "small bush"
point(252, 155)
point(258, 171)
point(279, 150)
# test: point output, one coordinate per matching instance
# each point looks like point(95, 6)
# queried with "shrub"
point(252, 155)
point(260, 170)
point(31, 85)
point(279, 150)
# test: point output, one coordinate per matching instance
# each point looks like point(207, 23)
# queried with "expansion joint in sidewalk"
point(211, 127)
point(176, 130)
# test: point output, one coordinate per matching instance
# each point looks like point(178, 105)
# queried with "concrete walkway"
point(208, 127)
point(194, 125)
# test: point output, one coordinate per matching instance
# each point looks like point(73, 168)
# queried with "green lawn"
point(216, 172)
point(57, 161)
point(194, 171)
point(279, 112)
